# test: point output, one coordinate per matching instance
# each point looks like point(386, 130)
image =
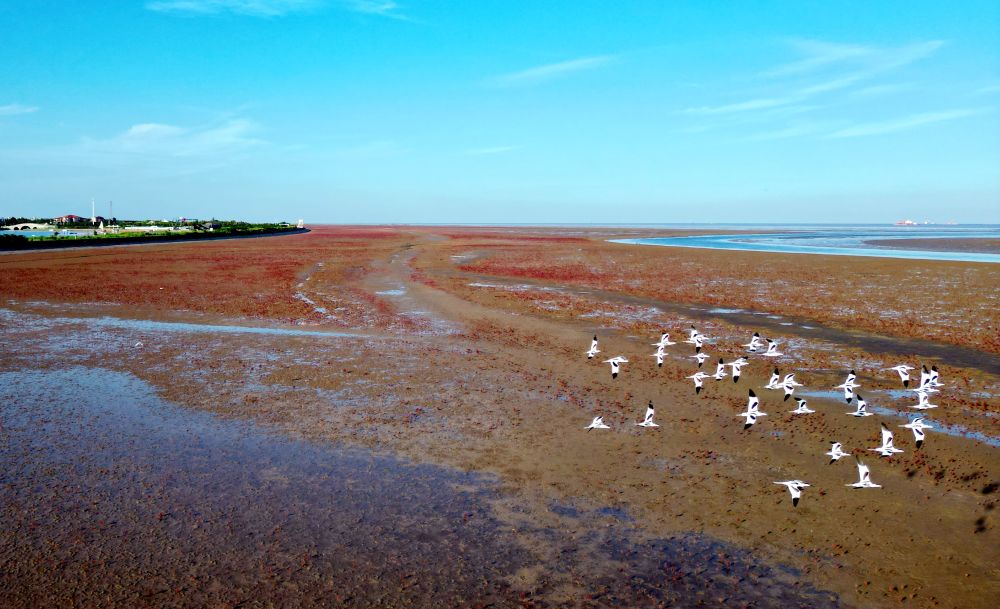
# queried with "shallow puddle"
point(958, 431)
point(146, 325)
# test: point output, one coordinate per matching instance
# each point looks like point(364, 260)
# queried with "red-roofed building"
point(67, 219)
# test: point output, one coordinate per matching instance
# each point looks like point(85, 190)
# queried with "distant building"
point(69, 218)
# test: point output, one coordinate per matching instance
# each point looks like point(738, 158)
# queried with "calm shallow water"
point(130, 496)
point(111, 496)
point(837, 242)
point(154, 327)
point(928, 415)
point(146, 325)
point(48, 233)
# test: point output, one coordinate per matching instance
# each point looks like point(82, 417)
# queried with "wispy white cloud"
point(844, 67)
point(784, 133)
point(491, 150)
point(820, 55)
point(15, 109)
point(159, 140)
point(879, 90)
point(275, 8)
point(905, 123)
point(255, 8)
point(151, 148)
point(751, 104)
point(381, 8)
point(547, 72)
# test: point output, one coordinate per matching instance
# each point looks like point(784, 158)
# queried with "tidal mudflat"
point(402, 433)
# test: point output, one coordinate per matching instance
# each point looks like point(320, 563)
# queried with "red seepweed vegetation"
point(253, 278)
point(932, 300)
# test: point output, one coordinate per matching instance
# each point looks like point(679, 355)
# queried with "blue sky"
point(501, 110)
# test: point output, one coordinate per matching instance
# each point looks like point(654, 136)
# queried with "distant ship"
point(906, 223)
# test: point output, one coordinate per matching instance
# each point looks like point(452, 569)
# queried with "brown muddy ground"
point(466, 394)
point(984, 246)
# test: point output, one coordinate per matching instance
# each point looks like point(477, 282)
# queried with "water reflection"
point(112, 496)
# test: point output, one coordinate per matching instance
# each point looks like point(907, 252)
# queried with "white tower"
point(93, 212)
point(301, 224)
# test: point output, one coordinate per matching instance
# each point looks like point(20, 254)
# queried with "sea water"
point(837, 241)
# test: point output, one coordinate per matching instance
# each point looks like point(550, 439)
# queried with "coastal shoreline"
point(89, 242)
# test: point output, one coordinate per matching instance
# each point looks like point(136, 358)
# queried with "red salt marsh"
point(469, 356)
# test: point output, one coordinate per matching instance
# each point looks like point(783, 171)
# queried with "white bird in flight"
point(773, 383)
point(795, 488)
point(737, 365)
point(918, 426)
point(928, 388)
point(836, 452)
point(593, 348)
point(802, 408)
point(753, 410)
point(864, 478)
point(903, 371)
point(659, 357)
point(789, 390)
point(695, 338)
point(772, 349)
point(925, 376)
point(664, 341)
point(698, 341)
point(648, 420)
point(933, 379)
point(848, 386)
point(923, 401)
point(615, 363)
point(849, 382)
point(701, 357)
point(862, 409)
point(789, 386)
point(720, 370)
point(698, 377)
point(597, 423)
point(887, 449)
point(848, 394)
point(754, 343)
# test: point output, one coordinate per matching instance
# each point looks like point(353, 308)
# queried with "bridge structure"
point(29, 226)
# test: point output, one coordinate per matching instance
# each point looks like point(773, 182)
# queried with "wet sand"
point(396, 388)
point(983, 246)
point(156, 506)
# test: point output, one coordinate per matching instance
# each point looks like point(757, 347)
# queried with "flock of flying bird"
point(929, 383)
